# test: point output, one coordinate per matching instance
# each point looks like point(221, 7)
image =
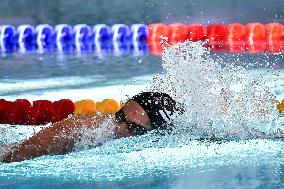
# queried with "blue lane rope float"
point(120, 33)
point(82, 35)
point(25, 38)
point(100, 38)
point(44, 37)
point(63, 37)
point(138, 35)
point(7, 34)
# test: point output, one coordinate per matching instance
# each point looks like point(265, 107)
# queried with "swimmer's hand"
point(59, 138)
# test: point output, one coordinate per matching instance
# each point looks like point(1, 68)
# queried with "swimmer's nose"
point(122, 131)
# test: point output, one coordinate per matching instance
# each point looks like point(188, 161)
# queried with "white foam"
point(217, 99)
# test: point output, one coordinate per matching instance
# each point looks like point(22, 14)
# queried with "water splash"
point(219, 101)
point(94, 137)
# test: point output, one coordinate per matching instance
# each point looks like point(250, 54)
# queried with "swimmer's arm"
point(59, 138)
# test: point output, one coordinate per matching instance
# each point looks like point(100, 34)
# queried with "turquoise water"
point(151, 161)
point(155, 162)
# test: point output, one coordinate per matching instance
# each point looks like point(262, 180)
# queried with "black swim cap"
point(159, 107)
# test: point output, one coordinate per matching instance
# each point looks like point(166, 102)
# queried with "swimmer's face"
point(134, 113)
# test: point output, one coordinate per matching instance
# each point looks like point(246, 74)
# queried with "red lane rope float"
point(197, 32)
point(275, 37)
point(4, 105)
point(255, 37)
point(217, 37)
point(19, 112)
point(235, 37)
point(155, 31)
point(39, 112)
point(62, 108)
point(43, 112)
point(155, 48)
point(178, 33)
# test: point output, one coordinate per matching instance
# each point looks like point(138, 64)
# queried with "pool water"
point(35, 75)
point(174, 160)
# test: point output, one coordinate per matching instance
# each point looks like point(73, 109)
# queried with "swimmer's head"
point(158, 106)
point(145, 111)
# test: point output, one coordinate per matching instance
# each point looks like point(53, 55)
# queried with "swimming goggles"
point(134, 128)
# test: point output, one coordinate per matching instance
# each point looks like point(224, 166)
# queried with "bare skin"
point(60, 137)
point(56, 139)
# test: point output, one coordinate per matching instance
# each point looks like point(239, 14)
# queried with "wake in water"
point(224, 102)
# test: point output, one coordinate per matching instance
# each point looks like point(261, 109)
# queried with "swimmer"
point(140, 114)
